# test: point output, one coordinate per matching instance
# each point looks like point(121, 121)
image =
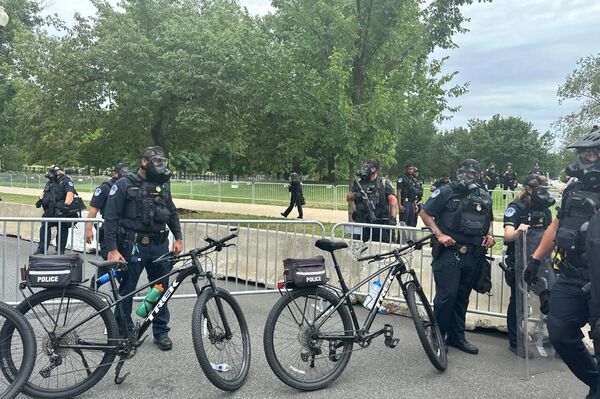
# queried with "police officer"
point(58, 193)
point(138, 209)
point(569, 310)
point(490, 178)
point(460, 216)
point(97, 204)
point(444, 179)
point(295, 189)
point(406, 191)
point(536, 170)
point(380, 199)
point(530, 210)
point(509, 179)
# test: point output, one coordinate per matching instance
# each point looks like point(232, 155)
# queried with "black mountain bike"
point(310, 332)
point(80, 337)
point(16, 339)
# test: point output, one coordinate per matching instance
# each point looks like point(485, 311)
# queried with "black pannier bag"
point(51, 271)
point(307, 272)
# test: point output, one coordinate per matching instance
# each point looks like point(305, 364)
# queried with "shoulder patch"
point(97, 192)
point(70, 183)
point(113, 189)
point(510, 211)
point(399, 180)
point(435, 193)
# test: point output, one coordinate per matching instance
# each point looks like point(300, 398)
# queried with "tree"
point(582, 85)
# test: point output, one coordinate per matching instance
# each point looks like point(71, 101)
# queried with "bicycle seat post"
point(339, 273)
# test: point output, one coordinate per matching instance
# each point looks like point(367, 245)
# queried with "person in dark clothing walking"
point(295, 189)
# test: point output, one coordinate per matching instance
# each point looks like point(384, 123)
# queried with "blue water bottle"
point(105, 278)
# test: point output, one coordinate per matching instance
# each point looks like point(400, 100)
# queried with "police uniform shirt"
point(405, 184)
point(116, 207)
point(382, 206)
point(65, 185)
point(516, 214)
point(447, 199)
point(100, 196)
point(440, 183)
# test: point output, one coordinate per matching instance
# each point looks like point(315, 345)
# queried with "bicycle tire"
point(427, 330)
point(17, 322)
point(75, 297)
point(292, 378)
point(205, 312)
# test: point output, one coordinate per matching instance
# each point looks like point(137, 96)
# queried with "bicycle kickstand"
point(119, 380)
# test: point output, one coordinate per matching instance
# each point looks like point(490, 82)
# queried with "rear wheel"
point(18, 348)
point(426, 326)
point(62, 371)
point(292, 340)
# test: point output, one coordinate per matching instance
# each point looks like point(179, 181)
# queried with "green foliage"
point(499, 140)
point(316, 87)
point(582, 85)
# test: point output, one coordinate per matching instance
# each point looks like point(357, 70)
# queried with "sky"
point(515, 56)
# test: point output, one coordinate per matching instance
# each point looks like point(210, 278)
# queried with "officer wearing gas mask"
point(407, 192)
point(58, 193)
point(137, 213)
point(569, 310)
point(97, 204)
point(375, 202)
point(530, 210)
point(490, 178)
point(460, 216)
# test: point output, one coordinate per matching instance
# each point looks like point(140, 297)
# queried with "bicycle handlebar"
point(212, 243)
point(396, 252)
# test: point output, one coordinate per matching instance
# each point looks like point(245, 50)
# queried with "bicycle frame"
point(361, 334)
point(194, 269)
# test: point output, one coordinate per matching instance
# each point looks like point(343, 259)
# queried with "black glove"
point(38, 203)
point(530, 274)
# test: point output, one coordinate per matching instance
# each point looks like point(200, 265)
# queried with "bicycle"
point(80, 336)
point(310, 332)
point(20, 343)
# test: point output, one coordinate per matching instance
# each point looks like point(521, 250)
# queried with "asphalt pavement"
point(375, 372)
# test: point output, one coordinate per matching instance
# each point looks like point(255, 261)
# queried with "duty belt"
point(463, 248)
point(146, 238)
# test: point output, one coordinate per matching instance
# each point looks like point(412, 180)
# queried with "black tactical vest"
point(146, 205)
point(577, 208)
point(536, 219)
point(376, 193)
point(468, 214)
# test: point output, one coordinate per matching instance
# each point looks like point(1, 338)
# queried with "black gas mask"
point(156, 170)
point(467, 179)
point(586, 169)
point(364, 173)
point(52, 173)
point(541, 198)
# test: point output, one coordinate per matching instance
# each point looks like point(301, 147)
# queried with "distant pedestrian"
point(444, 179)
point(509, 180)
point(296, 196)
point(490, 177)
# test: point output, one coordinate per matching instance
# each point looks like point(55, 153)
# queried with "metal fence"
point(317, 195)
point(254, 264)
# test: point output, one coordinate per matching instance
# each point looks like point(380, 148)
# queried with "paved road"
point(377, 372)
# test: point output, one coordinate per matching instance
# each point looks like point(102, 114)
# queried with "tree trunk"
point(330, 168)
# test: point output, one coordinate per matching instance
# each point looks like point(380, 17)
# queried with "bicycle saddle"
point(107, 263)
point(330, 245)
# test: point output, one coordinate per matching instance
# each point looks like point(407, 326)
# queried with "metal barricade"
point(493, 305)
point(253, 265)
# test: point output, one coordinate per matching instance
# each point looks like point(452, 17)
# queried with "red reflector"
point(280, 284)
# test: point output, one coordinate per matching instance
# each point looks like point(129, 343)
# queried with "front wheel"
point(427, 328)
point(303, 338)
point(221, 339)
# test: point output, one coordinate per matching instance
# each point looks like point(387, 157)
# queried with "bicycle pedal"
point(388, 331)
point(392, 342)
